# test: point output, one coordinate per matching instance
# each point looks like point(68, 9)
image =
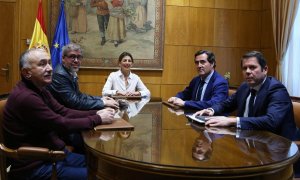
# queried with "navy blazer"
point(273, 110)
point(216, 92)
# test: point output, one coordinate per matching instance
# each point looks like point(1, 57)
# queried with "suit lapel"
point(260, 97)
point(209, 86)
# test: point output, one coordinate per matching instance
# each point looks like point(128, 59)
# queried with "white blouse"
point(116, 82)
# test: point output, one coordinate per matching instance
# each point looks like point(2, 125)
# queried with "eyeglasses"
point(73, 57)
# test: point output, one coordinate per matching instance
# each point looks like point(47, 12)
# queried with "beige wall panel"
point(28, 15)
point(267, 32)
point(269, 54)
point(168, 91)
point(179, 65)
point(176, 25)
point(154, 89)
point(228, 60)
point(250, 4)
point(93, 75)
point(266, 4)
point(194, 49)
point(201, 26)
point(249, 29)
point(225, 28)
point(94, 89)
point(152, 77)
point(226, 4)
point(202, 3)
point(177, 2)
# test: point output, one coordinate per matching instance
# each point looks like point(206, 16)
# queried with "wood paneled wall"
point(229, 28)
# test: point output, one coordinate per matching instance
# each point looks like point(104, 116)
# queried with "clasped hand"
point(125, 93)
point(107, 115)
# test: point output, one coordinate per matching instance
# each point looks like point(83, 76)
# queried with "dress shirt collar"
point(208, 77)
point(120, 74)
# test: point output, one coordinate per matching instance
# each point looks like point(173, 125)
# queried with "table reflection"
point(164, 139)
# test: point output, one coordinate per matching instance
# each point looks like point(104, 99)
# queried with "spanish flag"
point(39, 38)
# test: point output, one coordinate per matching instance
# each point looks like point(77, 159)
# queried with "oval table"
point(166, 145)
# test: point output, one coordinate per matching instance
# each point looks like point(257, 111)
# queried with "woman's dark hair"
point(125, 54)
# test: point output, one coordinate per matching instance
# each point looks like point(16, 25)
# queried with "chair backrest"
point(296, 107)
point(37, 153)
point(2, 158)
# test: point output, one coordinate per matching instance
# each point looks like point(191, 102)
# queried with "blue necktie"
point(199, 90)
point(251, 102)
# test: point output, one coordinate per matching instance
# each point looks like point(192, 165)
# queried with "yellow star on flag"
point(56, 45)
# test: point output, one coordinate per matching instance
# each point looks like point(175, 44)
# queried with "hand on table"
point(107, 115)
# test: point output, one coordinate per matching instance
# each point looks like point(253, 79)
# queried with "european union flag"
point(61, 37)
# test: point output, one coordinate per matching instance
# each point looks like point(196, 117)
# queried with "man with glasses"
point(206, 89)
point(65, 89)
point(64, 86)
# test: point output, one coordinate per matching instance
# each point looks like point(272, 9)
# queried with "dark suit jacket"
point(216, 91)
point(273, 110)
point(64, 88)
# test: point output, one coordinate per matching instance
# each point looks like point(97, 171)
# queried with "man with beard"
point(64, 86)
point(65, 89)
point(262, 102)
point(206, 89)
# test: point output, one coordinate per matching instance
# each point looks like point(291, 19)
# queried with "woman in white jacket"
point(124, 82)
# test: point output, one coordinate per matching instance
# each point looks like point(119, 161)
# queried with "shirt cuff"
point(238, 123)
point(115, 92)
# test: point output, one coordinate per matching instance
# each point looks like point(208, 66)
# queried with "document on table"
point(200, 119)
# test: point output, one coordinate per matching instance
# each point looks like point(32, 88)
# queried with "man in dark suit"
point(271, 108)
point(206, 89)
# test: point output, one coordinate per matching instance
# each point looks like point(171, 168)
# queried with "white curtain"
point(291, 61)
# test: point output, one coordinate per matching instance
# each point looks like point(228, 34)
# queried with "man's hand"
point(179, 102)
point(110, 102)
point(107, 115)
point(171, 99)
point(221, 121)
point(205, 112)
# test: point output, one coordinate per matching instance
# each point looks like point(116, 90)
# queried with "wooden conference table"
point(166, 145)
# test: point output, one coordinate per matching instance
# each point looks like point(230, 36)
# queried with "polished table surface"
point(166, 145)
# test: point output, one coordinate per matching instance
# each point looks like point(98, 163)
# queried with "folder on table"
point(118, 125)
point(171, 105)
point(126, 97)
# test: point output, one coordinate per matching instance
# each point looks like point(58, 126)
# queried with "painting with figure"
point(106, 28)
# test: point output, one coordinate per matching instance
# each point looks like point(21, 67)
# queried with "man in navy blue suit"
point(206, 89)
point(271, 110)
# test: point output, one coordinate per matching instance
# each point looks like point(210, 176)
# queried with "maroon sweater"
point(32, 117)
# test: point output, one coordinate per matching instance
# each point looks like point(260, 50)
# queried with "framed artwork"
point(106, 28)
